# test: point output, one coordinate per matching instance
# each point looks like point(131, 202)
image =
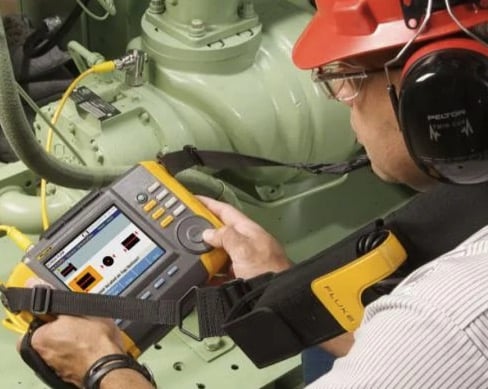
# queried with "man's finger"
point(225, 212)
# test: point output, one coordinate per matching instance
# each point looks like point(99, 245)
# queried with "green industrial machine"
point(216, 74)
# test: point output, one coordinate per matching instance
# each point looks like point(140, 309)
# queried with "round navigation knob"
point(194, 234)
point(189, 232)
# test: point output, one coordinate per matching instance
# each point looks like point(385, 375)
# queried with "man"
point(432, 330)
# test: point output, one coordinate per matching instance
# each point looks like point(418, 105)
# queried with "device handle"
point(33, 359)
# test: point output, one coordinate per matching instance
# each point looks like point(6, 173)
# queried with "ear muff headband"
point(443, 110)
point(445, 44)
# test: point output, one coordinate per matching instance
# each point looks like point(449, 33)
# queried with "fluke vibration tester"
point(139, 237)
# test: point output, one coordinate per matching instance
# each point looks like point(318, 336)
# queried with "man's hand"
point(70, 344)
point(252, 250)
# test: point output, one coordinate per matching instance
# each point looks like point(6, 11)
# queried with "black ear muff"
point(443, 110)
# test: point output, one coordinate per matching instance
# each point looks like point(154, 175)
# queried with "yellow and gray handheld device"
point(139, 237)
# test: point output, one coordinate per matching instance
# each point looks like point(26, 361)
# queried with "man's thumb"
point(211, 237)
point(224, 237)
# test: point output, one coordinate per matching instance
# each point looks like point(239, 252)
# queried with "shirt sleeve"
point(430, 332)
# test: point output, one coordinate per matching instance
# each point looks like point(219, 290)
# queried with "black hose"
point(22, 140)
point(42, 40)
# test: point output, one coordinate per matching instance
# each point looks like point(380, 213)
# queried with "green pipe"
point(22, 140)
point(204, 184)
point(24, 211)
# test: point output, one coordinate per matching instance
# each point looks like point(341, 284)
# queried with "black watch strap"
point(111, 362)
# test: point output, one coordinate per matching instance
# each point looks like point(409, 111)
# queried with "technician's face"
point(376, 128)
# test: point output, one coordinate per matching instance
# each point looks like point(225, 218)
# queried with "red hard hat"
point(341, 29)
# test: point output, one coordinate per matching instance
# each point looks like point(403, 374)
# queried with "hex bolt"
point(197, 28)
point(51, 189)
point(144, 117)
point(247, 10)
point(214, 343)
point(100, 158)
point(156, 6)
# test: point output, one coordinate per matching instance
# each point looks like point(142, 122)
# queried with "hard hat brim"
point(326, 39)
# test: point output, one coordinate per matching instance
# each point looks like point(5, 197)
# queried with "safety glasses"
point(340, 81)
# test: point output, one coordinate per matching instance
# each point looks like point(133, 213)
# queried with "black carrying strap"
point(190, 156)
point(41, 300)
point(289, 316)
point(275, 316)
point(213, 304)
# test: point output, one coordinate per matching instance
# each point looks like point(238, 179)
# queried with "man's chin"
point(383, 176)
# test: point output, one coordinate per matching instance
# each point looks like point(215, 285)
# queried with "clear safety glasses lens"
point(340, 81)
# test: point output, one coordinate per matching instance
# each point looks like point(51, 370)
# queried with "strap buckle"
point(232, 295)
point(41, 298)
point(181, 312)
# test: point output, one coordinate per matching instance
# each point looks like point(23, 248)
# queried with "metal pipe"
point(201, 183)
point(24, 211)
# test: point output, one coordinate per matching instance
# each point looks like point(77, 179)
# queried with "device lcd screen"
point(107, 257)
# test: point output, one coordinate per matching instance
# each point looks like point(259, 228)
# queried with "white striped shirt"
point(430, 332)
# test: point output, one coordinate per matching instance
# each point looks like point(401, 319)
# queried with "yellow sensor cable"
point(103, 67)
